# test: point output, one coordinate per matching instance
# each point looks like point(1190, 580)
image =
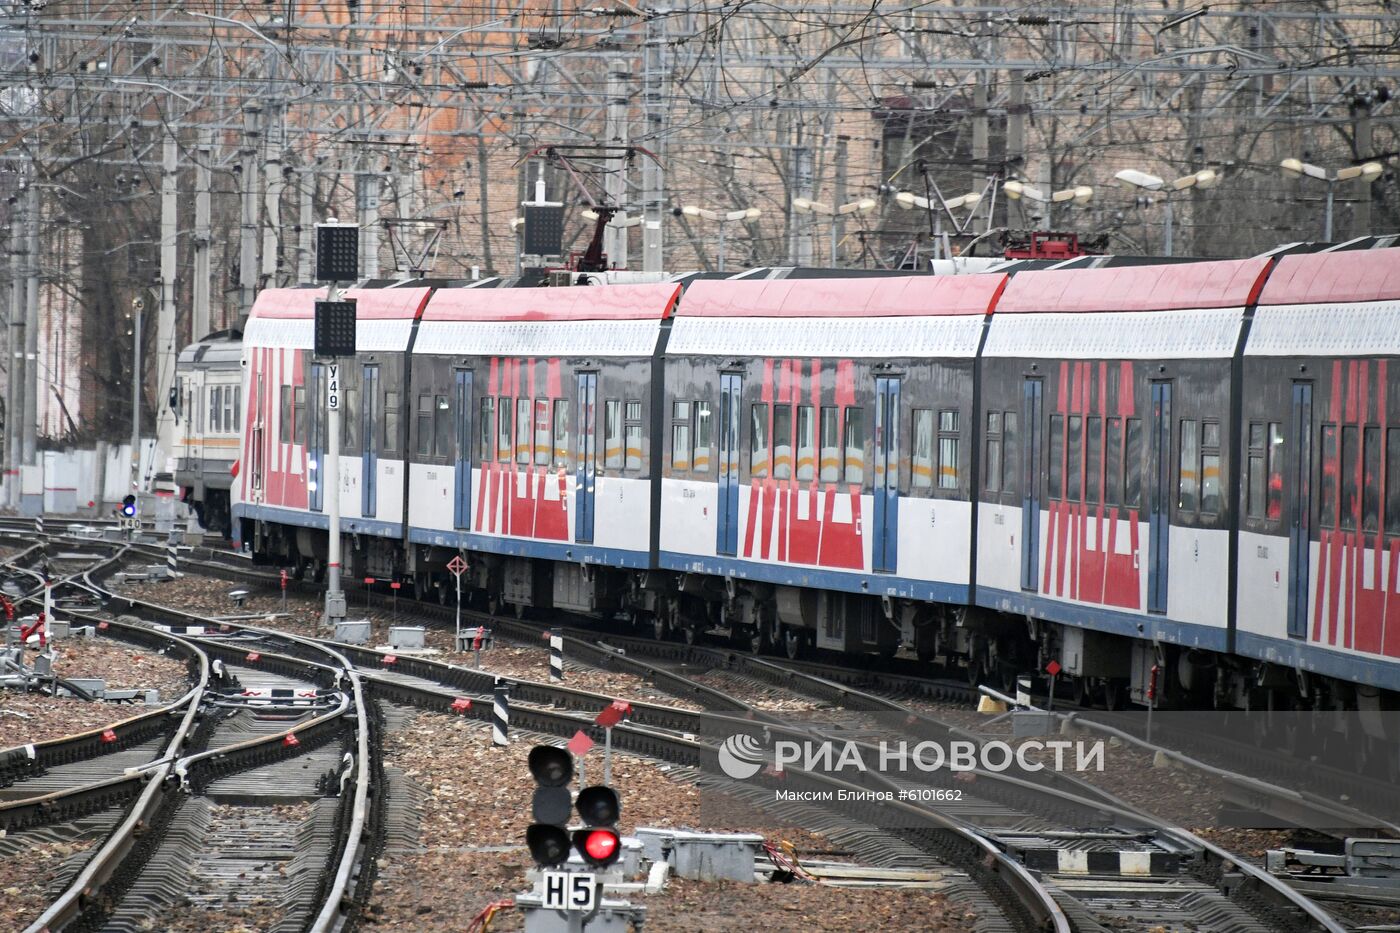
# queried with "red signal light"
point(600, 846)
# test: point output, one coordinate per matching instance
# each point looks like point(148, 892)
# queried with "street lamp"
point(808, 206)
point(1132, 178)
point(1367, 172)
point(723, 218)
point(1079, 194)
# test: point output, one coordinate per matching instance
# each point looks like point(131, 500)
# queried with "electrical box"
point(337, 252)
point(335, 328)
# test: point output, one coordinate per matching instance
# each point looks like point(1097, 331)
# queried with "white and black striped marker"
point(1023, 690)
point(1105, 862)
point(172, 561)
point(500, 713)
point(556, 658)
point(39, 524)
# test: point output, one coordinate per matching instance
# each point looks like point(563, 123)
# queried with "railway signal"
point(128, 507)
point(548, 836)
point(598, 843)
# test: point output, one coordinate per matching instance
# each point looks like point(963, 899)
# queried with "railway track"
point(1094, 877)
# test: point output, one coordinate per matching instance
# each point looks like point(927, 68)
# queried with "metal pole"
point(722, 225)
point(202, 235)
point(14, 386)
point(31, 329)
point(615, 182)
point(165, 316)
point(607, 756)
point(458, 641)
point(1326, 218)
point(335, 599)
point(137, 304)
point(1167, 236)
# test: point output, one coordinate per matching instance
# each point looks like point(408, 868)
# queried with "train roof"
point(1334, 278)
point(1230, 283)
point(611, 303)
point(370, 303)
point(871, 297)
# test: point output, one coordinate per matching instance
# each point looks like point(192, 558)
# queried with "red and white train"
point(1194, 466)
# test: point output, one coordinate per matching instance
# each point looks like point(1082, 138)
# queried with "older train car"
point(1103, 506)
point(1319, 543)
point(207, 404)
point(819, 454)
point(530, 439)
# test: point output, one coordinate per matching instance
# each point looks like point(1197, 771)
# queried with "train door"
point(731, 387)
point(462, 498)
point(886, 544)
point(369, 460)
point(1032, 392)
point(586, 480)
point(1159, 498)
point(316, 436)
point(1299, 466)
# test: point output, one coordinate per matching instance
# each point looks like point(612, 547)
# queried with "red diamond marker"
point(253, 656)
point(390, 658)
point(1053, 668)
point(457, 565)
point(613, 714)
point(580, 743)
point(461, 705)
point(102, 626)
point(290, 740)
point(108, 736)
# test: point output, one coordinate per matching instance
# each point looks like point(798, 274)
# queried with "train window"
point(633, 438)
point(1188, 479)
point(831, 451)
point(504, 412)
point(561, 433)
point(806, 443)
point(423, 427)
point(284, 428)
point(1056, 454)
point(1113, 463)
point(1132, 463)
point(442, 427)
point(782, 442)
point(612, 433)
point(1093, 459)
point(298, 412)
point(349, 416)
point(1074, 459)
point(758, 441)
point(922, 467)
point(855, 445)
point(214, 409)
point(704, 433)
point(1392, 481)
point(1274, 498)
point(543, 438)
point(1327, 516)
point(1255, 483)
point(1010, 455)
point(1351, 441)
point(949, 445)
point(1210, 467)
point(229, 426)
point(1371, 479)
point(522, 430)
point(391, 422)
point(488, 429)
point(680, 435)
point(237, 408)
point(993, 451)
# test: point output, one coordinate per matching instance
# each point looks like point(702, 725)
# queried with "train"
point(1179, 479)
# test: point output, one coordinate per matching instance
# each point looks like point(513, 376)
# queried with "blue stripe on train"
point(790, 575)
point(529, 547)
point(272, 513)
point(1102, 619)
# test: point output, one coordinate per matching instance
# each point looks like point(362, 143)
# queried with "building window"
point(855, 445)
point(1056, 454)
point(831, 447)
point(612, 434)
point(782, 442)
point(704, 438)
point(758, 441)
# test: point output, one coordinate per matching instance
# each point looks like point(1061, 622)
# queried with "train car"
point(818, 456)
point(1104, 516)
point(279, 493)
point(531, 430)
point(207, 404)
point(1319, 541)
